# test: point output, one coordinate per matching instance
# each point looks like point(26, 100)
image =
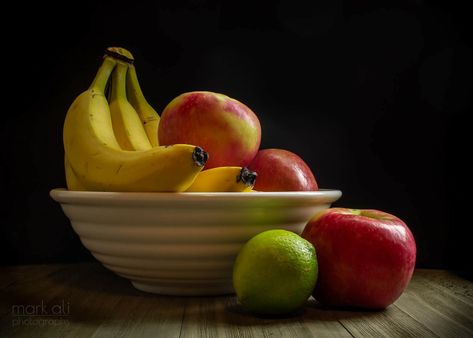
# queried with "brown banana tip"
point(247, 176)
point(200, 156)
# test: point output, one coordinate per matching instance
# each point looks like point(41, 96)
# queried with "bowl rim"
point(65, 196)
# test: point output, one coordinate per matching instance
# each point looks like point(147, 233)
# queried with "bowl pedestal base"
point(218, 289)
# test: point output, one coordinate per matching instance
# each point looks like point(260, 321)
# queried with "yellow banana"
point(126, 123)
point(99, 163)
point(148, 116)
point(221, 179)
point(71, 178)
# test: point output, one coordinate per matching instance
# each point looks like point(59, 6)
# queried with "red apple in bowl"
point(227, 129)
point(282, 170)
point(366, 257)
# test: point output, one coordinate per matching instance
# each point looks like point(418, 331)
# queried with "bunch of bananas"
point(112, 144)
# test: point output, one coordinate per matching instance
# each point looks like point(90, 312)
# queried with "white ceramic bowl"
point(182, 243)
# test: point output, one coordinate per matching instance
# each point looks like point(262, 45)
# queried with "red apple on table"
point(227, 129)
point(282, 170)
point(366, 257)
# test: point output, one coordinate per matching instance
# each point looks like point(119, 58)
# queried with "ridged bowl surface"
point(182, 243)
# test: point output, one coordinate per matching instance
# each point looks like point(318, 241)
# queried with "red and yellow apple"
point(366, 257)
point(282, 170)
point(227, 129)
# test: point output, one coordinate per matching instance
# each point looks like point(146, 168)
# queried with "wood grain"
point(100, 304)
point(438, 308)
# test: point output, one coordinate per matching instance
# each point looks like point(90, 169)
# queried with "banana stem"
point(135, 91)
point(135, 94)
point(103, 74)
point(119, 81)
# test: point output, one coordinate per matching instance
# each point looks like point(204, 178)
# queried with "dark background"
point(373, 95)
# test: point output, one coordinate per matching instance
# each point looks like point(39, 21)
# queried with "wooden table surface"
point(83, 300)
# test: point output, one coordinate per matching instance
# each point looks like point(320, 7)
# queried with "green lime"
point(275, 272)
